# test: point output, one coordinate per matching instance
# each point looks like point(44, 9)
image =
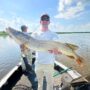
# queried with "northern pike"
point(45, 45)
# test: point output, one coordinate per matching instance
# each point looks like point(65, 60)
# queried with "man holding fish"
point(25, 52)
point(44, 65)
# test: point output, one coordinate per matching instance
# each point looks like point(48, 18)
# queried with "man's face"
point(44, 22)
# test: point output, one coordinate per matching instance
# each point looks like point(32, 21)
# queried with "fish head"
point(18, 36)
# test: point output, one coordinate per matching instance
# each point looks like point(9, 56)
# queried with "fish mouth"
point(8, 30)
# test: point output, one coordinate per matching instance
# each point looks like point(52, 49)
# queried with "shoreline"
point(3, 33)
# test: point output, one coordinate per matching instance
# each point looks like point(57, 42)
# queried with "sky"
point(65, 15)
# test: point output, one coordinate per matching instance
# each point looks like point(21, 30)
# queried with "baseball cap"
point(45, 17)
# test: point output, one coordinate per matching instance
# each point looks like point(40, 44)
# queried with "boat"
point(65, 79)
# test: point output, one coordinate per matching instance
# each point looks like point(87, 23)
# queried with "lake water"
point(10, 53)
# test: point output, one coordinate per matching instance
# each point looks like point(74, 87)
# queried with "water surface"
point(9, 55)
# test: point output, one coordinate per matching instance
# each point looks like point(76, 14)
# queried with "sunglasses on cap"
point(45, 18)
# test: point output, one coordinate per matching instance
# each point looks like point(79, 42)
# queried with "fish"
point(45, 45)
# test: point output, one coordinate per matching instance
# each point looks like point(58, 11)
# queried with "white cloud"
point(16, 22)
point(70, 28)
point(68, 2)
point(70, 8)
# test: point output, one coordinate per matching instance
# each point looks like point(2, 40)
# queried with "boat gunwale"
point(7, 76)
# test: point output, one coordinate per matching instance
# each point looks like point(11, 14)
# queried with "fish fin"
point(70, 57)
point(72, 46)
point(79, 61)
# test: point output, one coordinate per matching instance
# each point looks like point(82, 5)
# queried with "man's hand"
point(24, 48)
point(55, 51)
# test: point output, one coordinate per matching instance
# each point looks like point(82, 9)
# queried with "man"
point(25, 52)
point(27, 59)
point(44, 65)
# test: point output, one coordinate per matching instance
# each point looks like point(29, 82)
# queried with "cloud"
point(71, 8)
point(16, 22)
point(70, 28)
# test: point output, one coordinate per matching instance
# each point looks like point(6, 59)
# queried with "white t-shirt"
point(45, 57)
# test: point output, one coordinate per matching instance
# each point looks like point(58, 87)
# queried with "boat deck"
point(24, 82)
